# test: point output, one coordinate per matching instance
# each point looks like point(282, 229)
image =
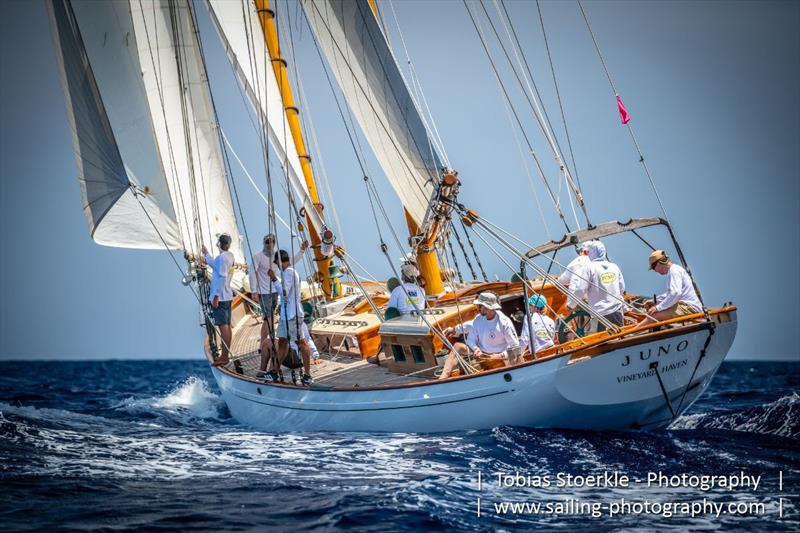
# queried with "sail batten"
point(373, 85)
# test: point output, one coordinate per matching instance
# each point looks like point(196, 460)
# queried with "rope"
point(464, 251)
point(516, 116)
point(540, 116)
point(474, 253)
point(558, 93)
point(628, 125)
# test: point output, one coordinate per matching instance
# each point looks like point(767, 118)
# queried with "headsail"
point(376, 92)
point(184, 121)
point(111, 132)
point(240, 29)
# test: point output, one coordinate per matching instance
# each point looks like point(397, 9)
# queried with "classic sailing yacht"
point(154, 174)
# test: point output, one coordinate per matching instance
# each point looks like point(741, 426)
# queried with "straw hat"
point(659, 256)
point(488, 300)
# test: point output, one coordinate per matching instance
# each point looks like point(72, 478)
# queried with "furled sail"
point(184, 121)
point(360, 57)
point(239, 27)
point(111, 132)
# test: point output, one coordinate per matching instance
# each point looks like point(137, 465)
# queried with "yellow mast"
point(427, 261)
point(330, 285)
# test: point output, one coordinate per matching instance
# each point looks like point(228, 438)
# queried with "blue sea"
point(150, 445)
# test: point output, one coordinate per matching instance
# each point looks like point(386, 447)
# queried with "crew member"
point(680, 298)
point(492, 335)
point(291, 318)
point(576, 267)
point(265, 293)
point(542, 325)
point(221, 293)
point(602, 285)
point(407, 296)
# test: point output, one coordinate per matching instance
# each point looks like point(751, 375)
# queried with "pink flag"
point(623, 113)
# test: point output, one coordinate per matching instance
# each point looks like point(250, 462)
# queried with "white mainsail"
point(239, 28)
point(111, 131)
point(361, 60)
point(184, 121)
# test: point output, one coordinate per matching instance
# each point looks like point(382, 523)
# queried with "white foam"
point(192, 399)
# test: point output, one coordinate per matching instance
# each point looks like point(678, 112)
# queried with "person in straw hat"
point(680, 298)
point(492, 335)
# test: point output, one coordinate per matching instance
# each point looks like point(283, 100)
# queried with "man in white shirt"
point(265, 293)
point(291, 318)
point(576, 267)
point(544, 328)
point(492, 335)
point(221, 293)
point(602, 285)
point(407, 296)
point(680, 298)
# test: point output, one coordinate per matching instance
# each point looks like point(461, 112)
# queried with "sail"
point(184, 121)
point(239, 28)
point(111, 133)
point(361, 60)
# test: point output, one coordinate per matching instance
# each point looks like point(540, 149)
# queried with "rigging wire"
point(628, 125)
point(516, 116)
point(536, 109)
point(558, 94)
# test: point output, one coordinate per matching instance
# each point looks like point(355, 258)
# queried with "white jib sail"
point(360, 58)
point(111, 131)
point(239, 28)
point(184, 122)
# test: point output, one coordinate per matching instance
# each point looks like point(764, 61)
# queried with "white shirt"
point(492, 336)
point(603, 287)
point(679, 289)
point(576, 266)
point(405, 303)
point(288, 286)
point(222, 267)
point(543, 331)
point(259, 278)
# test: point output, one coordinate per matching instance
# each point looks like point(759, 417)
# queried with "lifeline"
point(739, 480)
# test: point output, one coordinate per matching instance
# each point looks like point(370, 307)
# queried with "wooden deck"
point(338, 371)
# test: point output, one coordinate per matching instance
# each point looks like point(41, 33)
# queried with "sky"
point(713, 90)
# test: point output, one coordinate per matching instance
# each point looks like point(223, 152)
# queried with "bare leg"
point(266, 345)
point(451, 362)
point(305, 351)
point(283, 351)
point(225, 333)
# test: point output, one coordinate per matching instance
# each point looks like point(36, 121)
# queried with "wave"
point(186, 403)
point(780, 418)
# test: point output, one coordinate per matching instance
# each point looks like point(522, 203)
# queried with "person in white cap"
point(680, 299)
point(602, 285)
point(576, 267)
point(543, 327)
point(492, 335)
point(408, 296)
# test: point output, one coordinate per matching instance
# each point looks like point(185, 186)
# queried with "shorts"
point(679, 309)
point(268, 304)
point(222, 314)
point(616, 318)
point(292, 332)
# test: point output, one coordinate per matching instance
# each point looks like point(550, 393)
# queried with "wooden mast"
point(330, 285)
point(427, 261)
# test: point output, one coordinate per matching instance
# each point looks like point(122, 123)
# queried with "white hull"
point(613, 391)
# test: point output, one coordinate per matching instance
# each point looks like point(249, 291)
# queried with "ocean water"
point(150, 445)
